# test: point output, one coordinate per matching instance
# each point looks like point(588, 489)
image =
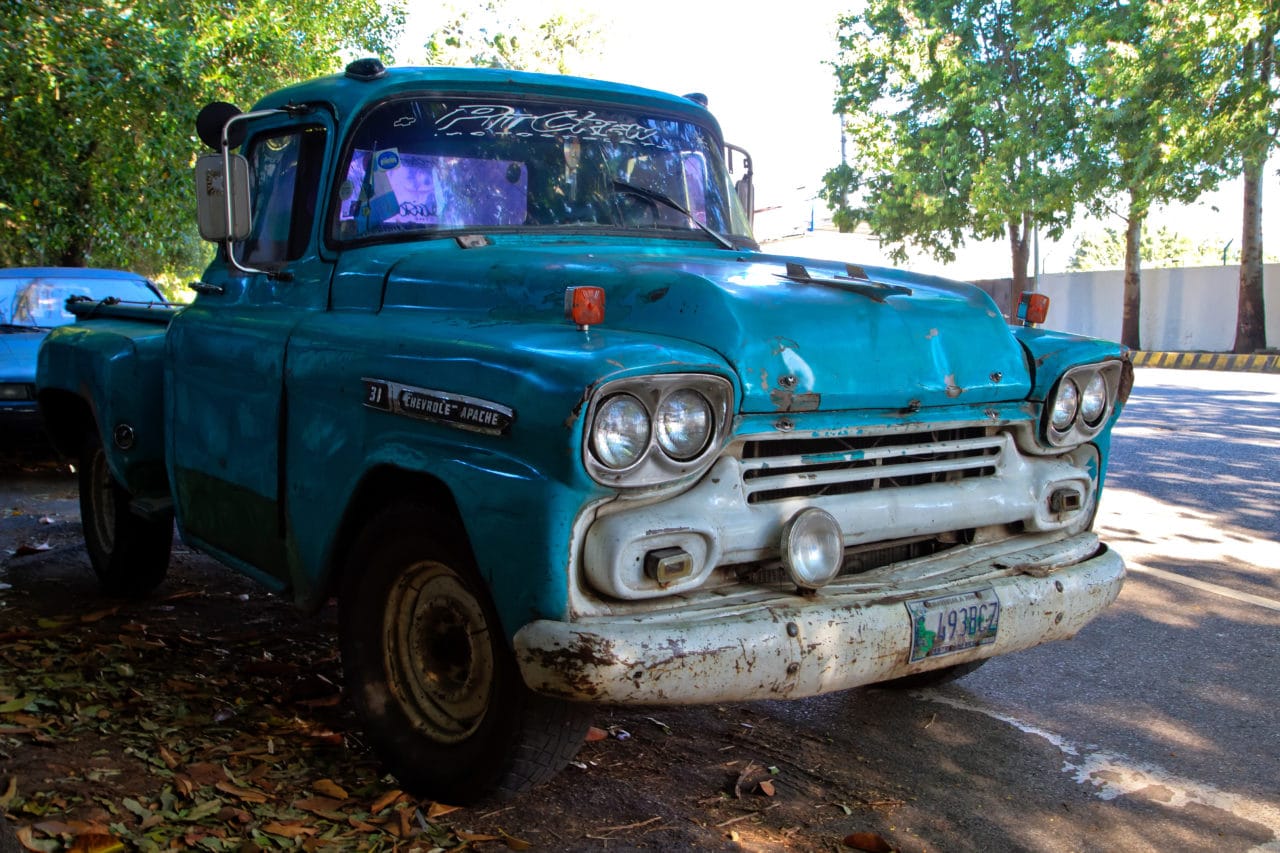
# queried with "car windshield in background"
point(40, 302)
point(422, 165)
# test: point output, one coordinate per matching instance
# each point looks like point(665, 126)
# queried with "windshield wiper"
point(20, 327)
point(652, 195)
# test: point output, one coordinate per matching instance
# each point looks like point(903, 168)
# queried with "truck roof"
point(349, 94)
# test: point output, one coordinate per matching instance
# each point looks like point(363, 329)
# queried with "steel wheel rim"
point(104, 509)
point(439, 659)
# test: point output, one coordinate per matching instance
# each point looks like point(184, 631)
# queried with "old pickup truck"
point(493, 360)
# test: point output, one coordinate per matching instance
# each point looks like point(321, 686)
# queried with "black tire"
point(429, 670)
point(129, 553)
point(932, 678)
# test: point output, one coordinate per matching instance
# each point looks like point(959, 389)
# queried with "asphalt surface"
point(1158, 727)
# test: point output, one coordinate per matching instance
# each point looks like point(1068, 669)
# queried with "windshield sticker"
point(405, 121)
point(486, 119)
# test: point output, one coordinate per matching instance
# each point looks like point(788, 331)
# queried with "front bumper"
point(766, 645)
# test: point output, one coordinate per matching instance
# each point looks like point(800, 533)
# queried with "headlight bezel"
point(1078, 429)
point(656, 465)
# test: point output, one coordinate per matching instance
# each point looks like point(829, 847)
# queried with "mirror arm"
point(226, 171)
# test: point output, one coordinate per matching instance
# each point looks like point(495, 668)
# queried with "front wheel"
point(129, 553)
point(430, 672)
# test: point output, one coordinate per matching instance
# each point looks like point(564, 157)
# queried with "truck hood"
point(801, 335)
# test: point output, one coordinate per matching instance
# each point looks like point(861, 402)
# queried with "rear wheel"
point(129, 553)
point(932, 678)
point(430, 671)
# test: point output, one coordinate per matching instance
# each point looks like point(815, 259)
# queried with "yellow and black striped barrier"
point(1257, 363)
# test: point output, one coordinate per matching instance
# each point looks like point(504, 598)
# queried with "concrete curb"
point(1268, 363)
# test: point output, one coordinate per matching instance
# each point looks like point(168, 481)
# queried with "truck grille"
point(783, 469)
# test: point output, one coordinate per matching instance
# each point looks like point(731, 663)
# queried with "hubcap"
point(438, 652)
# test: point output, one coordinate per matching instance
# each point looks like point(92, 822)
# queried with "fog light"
point(668, 565)
point(812, 548)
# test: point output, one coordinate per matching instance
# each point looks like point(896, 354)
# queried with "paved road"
point(1159, 726)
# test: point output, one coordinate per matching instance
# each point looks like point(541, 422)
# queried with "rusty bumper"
point(787, 645)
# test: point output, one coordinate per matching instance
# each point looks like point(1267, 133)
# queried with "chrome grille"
point(782, 469)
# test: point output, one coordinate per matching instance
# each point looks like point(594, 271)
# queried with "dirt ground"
point(211, 716)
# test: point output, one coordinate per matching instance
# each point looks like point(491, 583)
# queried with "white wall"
point(1183, 309)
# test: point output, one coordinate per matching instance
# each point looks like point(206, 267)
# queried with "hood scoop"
point(855, 281)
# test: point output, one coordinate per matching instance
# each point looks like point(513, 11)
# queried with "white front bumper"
point(772, 645)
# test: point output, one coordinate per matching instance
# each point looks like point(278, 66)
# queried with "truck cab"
point(493, 359)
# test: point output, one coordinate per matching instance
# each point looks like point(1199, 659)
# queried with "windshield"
point(41, 301)
point(426, 165)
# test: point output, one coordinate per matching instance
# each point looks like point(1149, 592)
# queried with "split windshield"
point(39, 301)
point(424, 165)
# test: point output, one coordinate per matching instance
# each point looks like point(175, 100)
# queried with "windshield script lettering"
point(495, 118)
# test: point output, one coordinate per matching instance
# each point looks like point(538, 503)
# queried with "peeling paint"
point(953, 390)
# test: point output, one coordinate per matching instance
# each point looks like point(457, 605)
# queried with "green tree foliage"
point(493, 35)
point(1104, 249)
point(961, 117)
point(1154, 131)
point(1236, 41)
point(97, 113)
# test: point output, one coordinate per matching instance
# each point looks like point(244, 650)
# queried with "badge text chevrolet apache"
point(494, 359)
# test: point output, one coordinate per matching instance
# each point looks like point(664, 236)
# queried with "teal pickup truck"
point(493, 359)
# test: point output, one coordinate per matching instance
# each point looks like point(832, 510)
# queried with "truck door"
point(226, 357)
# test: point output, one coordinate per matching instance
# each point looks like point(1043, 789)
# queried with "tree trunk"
point(1250, 319)
point(1130, 331)
point(1018, 249)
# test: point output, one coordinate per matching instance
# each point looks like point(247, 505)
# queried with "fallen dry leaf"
point(96, 843)
point(868, 842)
point(289, 829)
point(206, 774)
point(247, 794)
point(766, 788)
point(594, 734)
point(99, 615)
point(514, 843)
point(387, 799)
point(325, 807)
point(329, 788)
point(437, 809)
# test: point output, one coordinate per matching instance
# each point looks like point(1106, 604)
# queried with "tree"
point(1105, 249)
point(1237, 40)
point(493, 36)
point(1154, 129)
point(98, 104)
point(962, 117)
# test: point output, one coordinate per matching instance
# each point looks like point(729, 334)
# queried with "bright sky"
point(762, 66)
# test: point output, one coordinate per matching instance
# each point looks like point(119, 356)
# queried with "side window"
point(284, 182)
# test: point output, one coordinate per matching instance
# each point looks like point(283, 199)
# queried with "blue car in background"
point(33, 301)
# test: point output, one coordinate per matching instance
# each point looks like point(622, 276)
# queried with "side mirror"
point(212, 206)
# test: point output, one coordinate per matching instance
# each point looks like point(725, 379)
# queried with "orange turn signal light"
point(1033, 308)
point(584, 305)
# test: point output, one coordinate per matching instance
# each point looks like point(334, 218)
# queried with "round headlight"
point(1065, 405)
point(812, 548)
point(1093, 400)
point(620, 434)
point(684, 424)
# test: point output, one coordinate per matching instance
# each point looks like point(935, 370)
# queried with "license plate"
point(953, 623)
